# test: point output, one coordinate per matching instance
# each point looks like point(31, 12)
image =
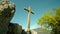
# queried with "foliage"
point(51, 19)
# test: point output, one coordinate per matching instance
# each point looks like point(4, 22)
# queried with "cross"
point(28, 21)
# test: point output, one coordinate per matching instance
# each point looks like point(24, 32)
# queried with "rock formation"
point(14, 29)
point(7, 10)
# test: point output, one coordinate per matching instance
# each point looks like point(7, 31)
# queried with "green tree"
point(52, 19)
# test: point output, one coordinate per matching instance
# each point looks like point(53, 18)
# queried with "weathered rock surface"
point(7, 10)
point(14, 29)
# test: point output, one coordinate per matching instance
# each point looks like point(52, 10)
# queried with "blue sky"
point(38, 6)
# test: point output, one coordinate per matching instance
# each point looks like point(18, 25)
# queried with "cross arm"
point(28, 10)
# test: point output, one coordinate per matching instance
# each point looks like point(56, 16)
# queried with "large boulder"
point(14, 29)
point(7, 10)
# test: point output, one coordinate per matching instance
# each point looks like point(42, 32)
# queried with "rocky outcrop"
point(14, 29)
point(7, 10)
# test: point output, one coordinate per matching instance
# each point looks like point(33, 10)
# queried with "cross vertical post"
point(28, 21)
